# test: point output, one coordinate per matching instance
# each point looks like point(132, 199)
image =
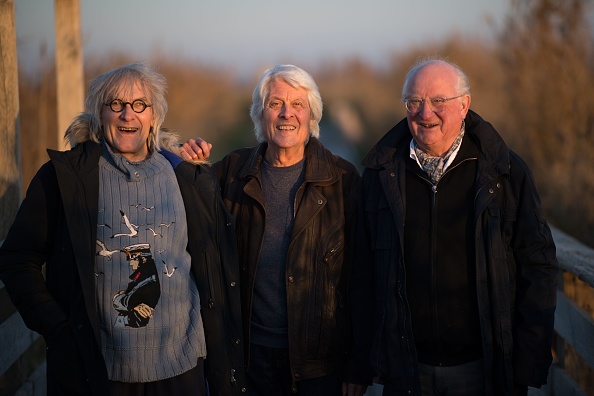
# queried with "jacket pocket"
point(380, 223)
point(327, 306)
point(202, 271)
point(65, 369)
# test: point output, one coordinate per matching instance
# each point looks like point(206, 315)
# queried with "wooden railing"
point(572, 373)
point(22, 353)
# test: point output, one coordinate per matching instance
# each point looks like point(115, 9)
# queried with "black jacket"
point(514, 259)
point(318, 258)
point(56, 225)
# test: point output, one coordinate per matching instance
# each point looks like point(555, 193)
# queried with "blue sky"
point(245, 35)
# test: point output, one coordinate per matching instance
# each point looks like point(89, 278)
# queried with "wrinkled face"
point(287, 118)
point(435, 131)
point(127, 132)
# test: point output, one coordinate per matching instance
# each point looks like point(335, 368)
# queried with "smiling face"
point(286, 123)
point(435, 132)
point(127, 132)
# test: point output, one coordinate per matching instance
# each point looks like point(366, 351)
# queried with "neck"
point(432, 151)
point(284, 157)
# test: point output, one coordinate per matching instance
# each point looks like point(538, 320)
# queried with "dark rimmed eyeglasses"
point(138, 105)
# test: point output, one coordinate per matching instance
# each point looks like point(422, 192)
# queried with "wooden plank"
point(576, 327)
point(574, 256)
point(15, 340)
point(26, 376)
point(10, 182)
point(563, 384)
point(36, 384)
point(69, 66)
point(6, 307)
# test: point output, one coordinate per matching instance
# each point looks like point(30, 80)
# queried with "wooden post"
point(10, 161)
point(69, 65)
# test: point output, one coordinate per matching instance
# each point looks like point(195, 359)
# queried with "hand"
point(144, 310)
point(195, 150)
point(353, 389)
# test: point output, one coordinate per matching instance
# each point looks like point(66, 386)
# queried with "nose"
point(426, 109)
point(286, 111)
point(127, 113)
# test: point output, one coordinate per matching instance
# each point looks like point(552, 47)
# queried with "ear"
point(465, 105)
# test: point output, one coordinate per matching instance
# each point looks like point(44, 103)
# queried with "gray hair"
point(119, 82)
point(462, 85)
point(295, 77)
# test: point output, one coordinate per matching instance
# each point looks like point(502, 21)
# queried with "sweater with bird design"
point(151, 327)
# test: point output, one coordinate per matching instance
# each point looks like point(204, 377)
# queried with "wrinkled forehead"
point(441, 77)
point(129, 90)
point(281, 87)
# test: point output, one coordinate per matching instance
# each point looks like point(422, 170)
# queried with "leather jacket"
point(318, 258)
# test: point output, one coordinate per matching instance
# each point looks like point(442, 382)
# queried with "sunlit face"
point(287, 119)
point(433, 131)
point(127, 132)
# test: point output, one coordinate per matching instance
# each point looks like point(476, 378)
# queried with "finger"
point(205, 149)
point(185, 154)
point(193, 144)
point(195, 149)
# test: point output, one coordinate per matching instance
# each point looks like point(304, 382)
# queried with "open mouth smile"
point(425, 125)
point(124, 129)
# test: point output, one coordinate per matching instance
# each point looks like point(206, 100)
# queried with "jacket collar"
point(319, 163)
point(82, 159)
point(493, 154)
point(383, 154)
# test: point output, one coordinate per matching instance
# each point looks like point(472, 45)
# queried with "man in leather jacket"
point(294, 205)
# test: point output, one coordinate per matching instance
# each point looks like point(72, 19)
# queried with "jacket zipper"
point(433, 247)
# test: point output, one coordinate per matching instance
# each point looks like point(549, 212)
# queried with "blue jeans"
point(463, 380)
point(269, 373)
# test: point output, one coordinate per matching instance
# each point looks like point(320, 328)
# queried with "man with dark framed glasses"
point(114, 252)
point(117, 105)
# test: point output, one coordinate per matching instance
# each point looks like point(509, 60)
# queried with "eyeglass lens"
point(414, 105)
point(138, 106)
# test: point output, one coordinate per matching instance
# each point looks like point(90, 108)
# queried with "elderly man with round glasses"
point(137, 255)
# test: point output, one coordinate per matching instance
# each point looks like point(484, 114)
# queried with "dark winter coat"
point(57, 224)
point(514, 255)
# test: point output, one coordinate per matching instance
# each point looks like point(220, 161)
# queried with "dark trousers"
point(463, 380)
point(190, 383)
point(270, 374)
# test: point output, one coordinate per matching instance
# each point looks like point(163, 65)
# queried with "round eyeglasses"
point(414, 105)
point(138, 105)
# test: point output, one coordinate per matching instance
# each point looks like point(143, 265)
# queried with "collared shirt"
point(435, 166)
